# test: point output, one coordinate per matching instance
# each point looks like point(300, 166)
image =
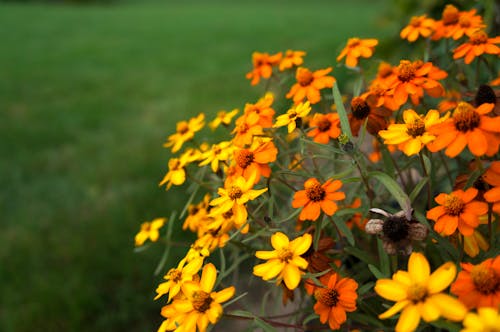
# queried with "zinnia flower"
point(470, 127)
point(486, 320)
point(284, 262)
point(217, 153)
point(493, 196)
point(260, 113)
point(223, 118)
point(457, 210)
point(478, 44)
point(149, 230)
point(317, 197)
point(357, 48)
point(479, 285)
point(254, 161)
point(419, 294)
point(177, 276)
point(336, 297)
point(176, 173)
point(289, 119)
point(185, 131)
point(291, 59)
point(375, 117)
point(324, 127)
point(309, 83)
point(263, 66)
point(419, 26)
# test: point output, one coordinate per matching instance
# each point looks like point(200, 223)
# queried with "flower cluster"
point(301, 189)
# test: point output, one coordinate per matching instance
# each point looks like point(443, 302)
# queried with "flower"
point(289, 119)
point(493, 196)
point(309, 83)
point(201, 305)
point(262, 66)
point(336, 297)
point(245, 130)
point(478, 44)
point(318, 260)
point(457, 210)
point(479, 285)
point(360, 112)
point(224, 118)
point(419, 294)
point(486, 320)
point(455, 24)
point(357, 48)
point(149, 230)
point(291, 59)
point(411, 136)
point(218, 152)
point(284, 262)
point(473, 243)
point(176, 173)
point(260, 113)
point(324, 127)
point(469, 127)
point(419, 26)
point(185, 131)
point(254, 161)
point(397, 231)
point(177, 276)
point(317, 197)
point(197, 214)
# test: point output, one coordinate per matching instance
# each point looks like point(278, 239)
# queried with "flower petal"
point(441, 278)
point(391, 290)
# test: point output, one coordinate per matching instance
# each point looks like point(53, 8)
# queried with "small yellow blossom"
point(149, 230)
point(289, 119)
point(219, 152)
point(177, 276)
point(223, 118)
point(176, 174)
point(185, 131)
point(284, 262)
point(486, 320)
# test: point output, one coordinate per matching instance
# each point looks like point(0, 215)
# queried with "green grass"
point(87, 97)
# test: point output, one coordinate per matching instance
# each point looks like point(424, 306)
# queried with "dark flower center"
point(485, 279)
point(324, 124)
point(235, 193)
point(396, 229)
point(327, 296)
point(466, 117)
point(304, 76)
point(201, 301)
point(416, 128)
point(406, 71)
point(315, 192)
point(450, 15)
point(360, 108)
point(453, 205)
point(479, 37)
point(244, 158)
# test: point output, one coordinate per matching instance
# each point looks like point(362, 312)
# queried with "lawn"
point(87, 96)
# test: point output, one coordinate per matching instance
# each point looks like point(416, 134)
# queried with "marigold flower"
point(149, 230)
point(263, 66)
point(254, 161)
point(493, 196)
point(413, 135)
point(478, 44)
point(492, 174)
point(459, 210)
point(418, 26)
point(197, 214)
point(361, 111)
point(419, 294)
point(185, 131)
point(291, 59)
point(357, 48)
point(309, 84)
point(486, 320)
point(336, 297)
point(245, 130)
point(455, 24)
point(176, 173)
point(284, 262)
point(289, 119)
point(260, 113)
point(223, 118)
point(469, 127)
point(479, 285)
point(317, 197)
point(201, 306)
point(324, 127)
point(177, 276)
point(219, 152)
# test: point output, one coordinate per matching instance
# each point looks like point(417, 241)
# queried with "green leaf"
point(376, 272)
point(384, 259)
point(346, 231)
point(395, 189)
point(241, 313)
point(344, 120)
point(414, 193)
point(365, 288)
point(472, 178)
point(360, 254)
point(427, 164)
point(263, 325)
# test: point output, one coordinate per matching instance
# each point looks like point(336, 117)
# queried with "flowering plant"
point(338, 205)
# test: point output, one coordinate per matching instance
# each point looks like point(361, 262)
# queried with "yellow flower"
point(177, 276)
point(149, 230)
point(412, 135)
point(289, 119)
point(222, 117)
point(233, 197)
point(176, 173)
point(486, 320)
point(218, 152)
point(284, 262)
point(200, 307)
point(185, 131)
point(418, 293)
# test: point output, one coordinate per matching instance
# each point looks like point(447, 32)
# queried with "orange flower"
point(336, 297)
point(245, 130)
point(469, 127)
point(261, 112)
point(458, 209)
point(455, 24)
point(479, 285)
point(262, 66)
point(292, 59)
point(375, 117)
point(357, 48)
point(255, 159)
point(493, 196)
point(325, 126)
point(309, 83)
point(478, 44)
point(492, 174)
point(317, 197)
point(452, 97)
point(419, 26)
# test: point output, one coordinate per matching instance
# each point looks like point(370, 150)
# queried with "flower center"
point(479, 37)
point(314, 190)
point(228, 214)
point(235, 193)
point(485, 279)
point(182, 127)
point(464, 21)
point(360, 108)
point(416, 293)
point(201, 301)
point(174, 275)
point(304, 76)
point(465, 117)
point(384, 70)
point(416, 128)
point(406, 71)
point(353, 42)
point(285, 254)
point(396, 229)
point(453, 205)
point(323, 124)
point(450, 15)
point(244, 158)
point(415, 21)
point(328, 297)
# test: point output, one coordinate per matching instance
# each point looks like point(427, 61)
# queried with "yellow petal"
point(418, 268)
point(390, 290)
point(299, 262)
point(279, 240)
point(268, 270)
point(301, 244)
point(397, 307)
point(224, 295)
point(409, 319)
point(450, 307)
point(208, 276)
point(428, 310)
point(266, 254)
point(291, 275)
point(442, 278)
point(402, 277)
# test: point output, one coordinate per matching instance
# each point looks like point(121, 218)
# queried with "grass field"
point(87, 96)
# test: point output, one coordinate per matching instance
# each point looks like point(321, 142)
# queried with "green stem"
point(426, 174)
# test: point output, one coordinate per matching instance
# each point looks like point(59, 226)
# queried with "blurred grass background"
point(88, 95)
